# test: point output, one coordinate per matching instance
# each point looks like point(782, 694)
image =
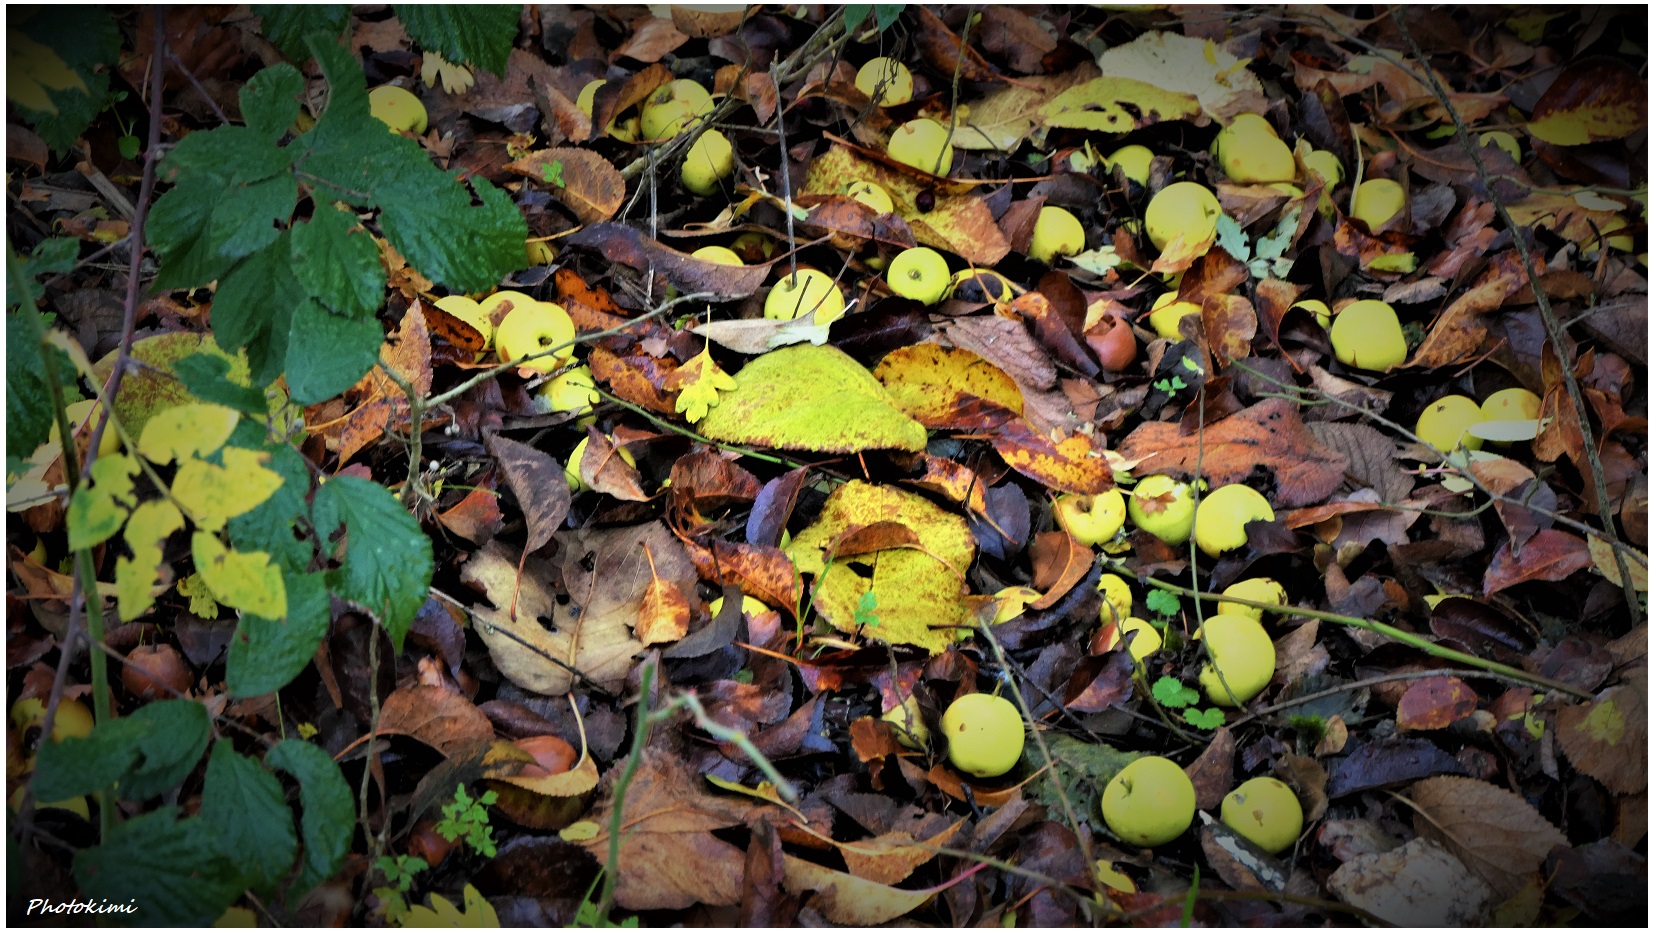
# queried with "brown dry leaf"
point(1592, 100)
point(476, 518)
point(1370, 457)
point(1607, 738)
point(441, 718)
point(1493, 831)
point(942, 48)
point(1211, 774)
point(619, 243)
point(766, 573)
point(1229, 323)
point(1269, 434)
point(956, 482)
point(1010, 33)
point(636, 376)
point(604, 470)
point(592, 634)
point(891, 857)
point(665, 612)
point(654, 39)
point(1507, 477)
point(1006, 345)
point(1549, 555)
point(669, 857)
point(1058, 563)
point(1459, 331)
point(1436, 702)
point(537, 481)
point(1416, 885)
point(707, 23)
point(382, 404)
point(848, 899)
point(592, 188)
point(958, 222)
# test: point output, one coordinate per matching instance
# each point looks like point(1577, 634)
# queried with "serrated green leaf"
point(336, 261)
point(248, 811)
point(266, 654)
point(1210, 718)
point(171, 869)
point(287, 25)
point(49, 257)
point(99, 508)
point(176, 735)
point(328, 353)
point(29, 412)
point(271, 98)
point(1274, 244)
point(475, 34)
point(327, 818)
point(250, 216)
point(254, 304)
point(76, 767)
point(205, 376)
point(387, 564)
point(271, 527)
point(1231, 237)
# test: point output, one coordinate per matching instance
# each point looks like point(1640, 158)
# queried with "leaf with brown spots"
point(438, 717)
point(1458, 332)
point(591, 187)
point(1607, 738)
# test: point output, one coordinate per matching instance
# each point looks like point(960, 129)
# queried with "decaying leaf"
point(1590, 101)
point(1416, 885)
point(848, 899)
point(584, 180)
point(1606, 738)
point(1269, 434)
point(1499, 836)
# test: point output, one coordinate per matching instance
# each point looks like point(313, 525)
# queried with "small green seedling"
point(468, 819)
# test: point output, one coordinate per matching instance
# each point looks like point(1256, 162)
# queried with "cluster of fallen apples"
point(1151, 801)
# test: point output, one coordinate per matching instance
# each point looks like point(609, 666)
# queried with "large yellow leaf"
point(100, 505)
point(212, 495)
point(930, 383)
point(918, 590)
point(154, 387)
point(811, 398)
point(1099, 105)
point(1219, 81)
point(848, 899)
point(242, 580)
point(1001, 119)
point(136, 577)
point(185, 431)
point(1589, 102)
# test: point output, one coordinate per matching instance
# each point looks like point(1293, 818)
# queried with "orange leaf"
point(1074, 464)
point(664, 612)
point(1436, 702)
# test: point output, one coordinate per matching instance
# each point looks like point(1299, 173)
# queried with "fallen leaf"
point(1458, 332)
point(848, 899)
point(1494, 831)
point(1606, 738)
point(811, 398)
point(1416, 885)
point(1075, 464)
point(441, 718)
point(619, 243)
point(942, 388)
point(1217, 80)
point(1590, 100)
point(1436, 702)
point(891, 857)
point(586, 182)
point(664, 612)
point(651, 41)
point(1549, 555)
point(1267, 435)
point(537, 482)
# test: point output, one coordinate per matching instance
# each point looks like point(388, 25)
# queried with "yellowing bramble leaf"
point(245, 581)
point(212, 495)
point(806, 397)
point(187, 430)
point(699, 381)
point(478, 912)
point(31, 68)
point(136, 577)
point(202, 602)
point(100, 505)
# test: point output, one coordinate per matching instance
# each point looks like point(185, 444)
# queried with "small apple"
point(1144, 639)
point(804, 292)
point(1167, 312)
point(985, 734)
point(1149, 802)
point(1257, 589)
point(1251, 153)
point(921, 274)
point(1011, 602)
point(1057, 233)
point(1366, 335)
point(1378, 201)
point(1135, 161)
point(1244, 655)
point(709, 162)
point(719, 254)
point(572, 390)
point(156, 672)
point(535, 328)
point(871, 195)
point(981, 286)
point(1184, 209)
point(923, 144)
point(398, 109)
point(1266, 812)
point(1118, 598)
point(1091, 520)
point(1223, 514)
point(886, 81)
point(1318, 309)
point(1164, 507)
point(1444, 424)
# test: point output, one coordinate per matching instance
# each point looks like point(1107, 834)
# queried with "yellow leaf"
point(100, 505)
point(442, 913)
point(811, 398)
point(245, 581)
point(1099, 105)
point(456, 78)
point(699, 381)
point(31, 68)
point(136, 577)
point(918, 592)
point(579, 831)
point(202, 602)
point(214, 494)
point(1606, 564)
point(848, 899)
point(187, 430)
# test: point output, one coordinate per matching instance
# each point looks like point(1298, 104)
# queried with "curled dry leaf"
point(1269, 434)
point(438, 717)
point(1548, 555)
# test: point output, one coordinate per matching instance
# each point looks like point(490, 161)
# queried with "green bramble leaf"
point(387, 561)
point(336, 261)
point(247, 806)
point(327, 818)
point(287, 25)
point(174, 871)
point(266, 654)
point(473, 34)
point(61, 91)
point(1172, 693)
